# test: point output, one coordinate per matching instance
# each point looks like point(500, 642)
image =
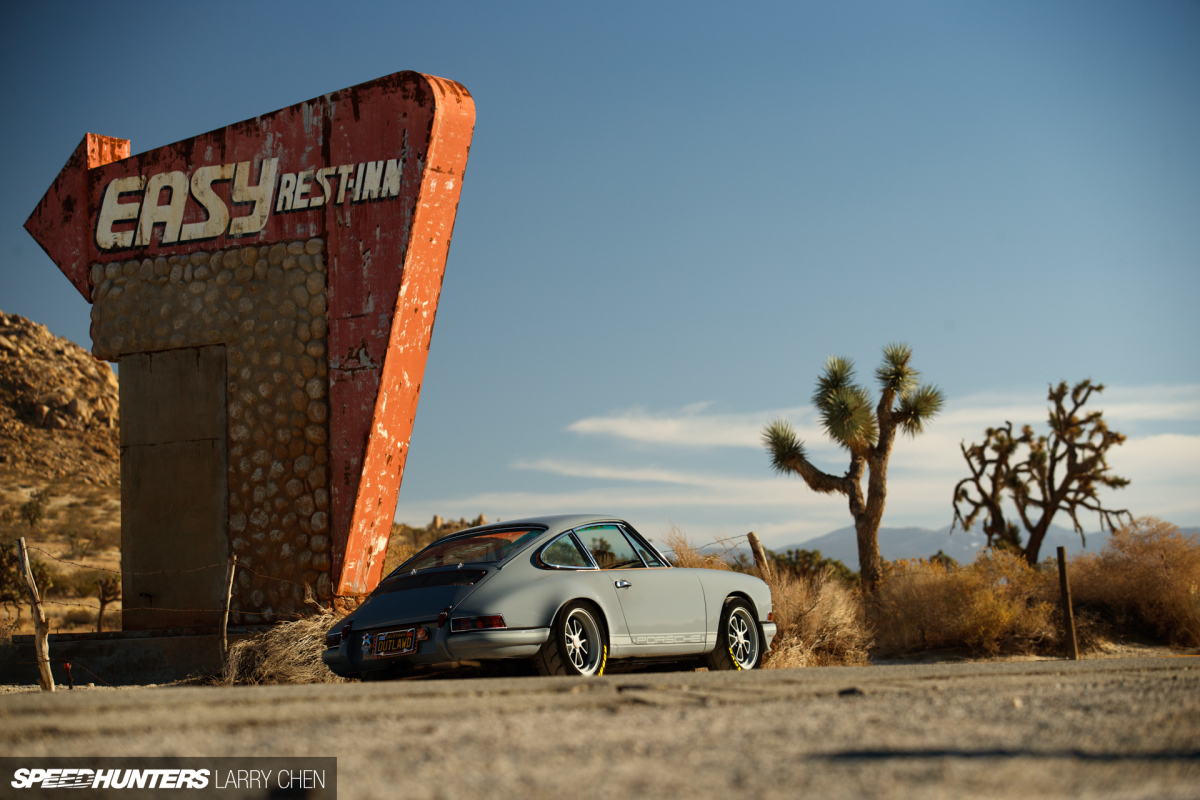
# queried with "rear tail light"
point(770, 616)
point(477, 623)
point(336, 637)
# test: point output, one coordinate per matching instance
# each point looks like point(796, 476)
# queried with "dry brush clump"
point(997, 604)
point(290, 652)
point(819, 619)
point(685, 554)
point(1145, 582)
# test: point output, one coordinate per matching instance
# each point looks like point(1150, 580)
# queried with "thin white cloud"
point(710, 499)
point(694, 488)
point(1121, 405)
point(634, 474)
point(687, 427)
point(964, 418)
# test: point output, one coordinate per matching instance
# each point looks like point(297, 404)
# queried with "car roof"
point(553, 523)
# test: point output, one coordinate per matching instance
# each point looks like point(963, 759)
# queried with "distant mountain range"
point(897, 543)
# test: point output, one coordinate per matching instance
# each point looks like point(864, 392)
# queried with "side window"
point(609, 547)
point(645, 552)
point(563, 552)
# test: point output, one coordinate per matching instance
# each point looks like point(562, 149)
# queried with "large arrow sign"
point(311, 242)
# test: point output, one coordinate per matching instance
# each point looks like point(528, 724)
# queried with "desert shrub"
point(811, 564)
point(33, 511)
point(75, 583)
point(290, 652)
point(818, 618)
point(820, 622)
point(13, 591)
point(1145, 581)
point(80, 545)
point(684, 554)
point(78, 616)
point(8, 650)
point(997, 604)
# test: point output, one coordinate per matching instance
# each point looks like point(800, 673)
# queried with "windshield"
point(486, 547)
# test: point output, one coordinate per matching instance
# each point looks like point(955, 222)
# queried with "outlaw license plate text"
point(395, 643)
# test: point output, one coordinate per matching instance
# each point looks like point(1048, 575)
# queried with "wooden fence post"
point(760, 556)
point(1068, 613)
point(41, 628)
point(225, 618)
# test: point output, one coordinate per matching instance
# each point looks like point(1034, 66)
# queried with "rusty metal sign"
point(311, 242)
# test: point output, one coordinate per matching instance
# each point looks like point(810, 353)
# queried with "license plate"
point(395, 643)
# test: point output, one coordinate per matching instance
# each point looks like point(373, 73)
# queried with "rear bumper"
point(481, 645)
point(768, 630)
point(336, 659)
point(348, 659)
point(443, 648)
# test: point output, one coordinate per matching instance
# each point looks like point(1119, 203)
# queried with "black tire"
point(739, 638)
point(577, 644)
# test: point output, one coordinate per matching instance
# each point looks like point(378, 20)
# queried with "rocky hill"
point(58, 407)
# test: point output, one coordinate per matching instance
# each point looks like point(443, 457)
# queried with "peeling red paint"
point(385, 259)
point(54, 223)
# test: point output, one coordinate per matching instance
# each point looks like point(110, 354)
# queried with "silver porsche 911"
point(571, 593)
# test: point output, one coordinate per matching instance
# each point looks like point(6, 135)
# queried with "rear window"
point(403, 581)
point(486, 547)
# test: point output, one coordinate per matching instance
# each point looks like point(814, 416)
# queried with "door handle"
point(623, 584)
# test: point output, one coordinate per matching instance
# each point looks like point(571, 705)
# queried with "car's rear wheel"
point(739, 644)
point(577, 644)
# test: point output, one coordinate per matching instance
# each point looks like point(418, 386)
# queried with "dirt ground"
point(1102, 728)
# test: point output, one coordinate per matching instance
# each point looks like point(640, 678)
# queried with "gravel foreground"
point(1112, 728)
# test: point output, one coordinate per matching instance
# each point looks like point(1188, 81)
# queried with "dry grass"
point(77, 617)
point(1145, 582)
point(997, 604)
point(685, 554)
point(819, 620)
point(288, 653)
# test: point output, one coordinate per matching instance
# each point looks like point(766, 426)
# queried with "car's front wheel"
point(576, 645)
point(739, 645)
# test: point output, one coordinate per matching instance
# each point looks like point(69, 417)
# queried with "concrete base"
point(121, 658)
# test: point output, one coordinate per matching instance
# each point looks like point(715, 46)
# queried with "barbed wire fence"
point(38, 602)
point(233, 562)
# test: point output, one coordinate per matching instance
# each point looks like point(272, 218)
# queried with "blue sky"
point(673, 213)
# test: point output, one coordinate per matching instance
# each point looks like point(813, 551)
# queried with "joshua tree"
point(13, 591)
point(1062, 471)
point(868, 435)
point(108, 590)
point(12, 583)
point(33, 511)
